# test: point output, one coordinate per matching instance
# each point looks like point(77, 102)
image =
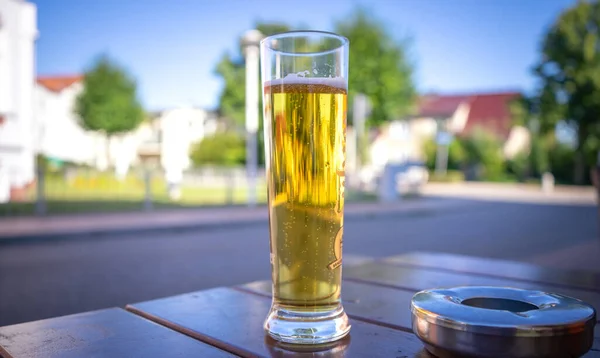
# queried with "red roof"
point(58, 83)
point(440, 106)
point(488, 111)
point(491, 112)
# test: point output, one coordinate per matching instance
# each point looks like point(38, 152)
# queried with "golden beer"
point(305, 134)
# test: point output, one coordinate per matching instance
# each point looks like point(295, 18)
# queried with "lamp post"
point(596, 182)
point(250, 47)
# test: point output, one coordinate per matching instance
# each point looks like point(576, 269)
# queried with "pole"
point(252, 85)
point(148, 189)
point(442, 141)
point(441, 160)
point(40, 203)
point(596, 182)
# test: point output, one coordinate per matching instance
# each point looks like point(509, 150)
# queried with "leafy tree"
point(562, 162)
point(379, 67)
point(570, 75)
point(521, 111)
point(231, 100)
point(221, 149)
point(539, 160)
point(519, 166)
point(108, 102)
point(232, 70)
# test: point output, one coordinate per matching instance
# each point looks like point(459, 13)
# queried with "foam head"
point(293, 79)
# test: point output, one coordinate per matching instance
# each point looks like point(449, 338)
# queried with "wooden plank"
point(232, 320)
point(370, 303)
point(416, 279)
point(518, 271)
point(106, 333)
point(383, 305)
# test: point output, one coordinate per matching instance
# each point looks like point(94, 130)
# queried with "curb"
point(100, 233)
point(106, 233)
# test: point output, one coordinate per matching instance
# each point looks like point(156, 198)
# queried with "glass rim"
point(265, 43)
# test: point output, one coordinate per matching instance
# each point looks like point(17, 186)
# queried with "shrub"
point(518, 166)
point(222, 149)
point(484, 152)
point(456, 154)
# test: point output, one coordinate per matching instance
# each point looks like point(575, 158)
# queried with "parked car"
point(409, 176)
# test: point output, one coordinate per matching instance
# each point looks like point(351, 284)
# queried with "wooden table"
point(224, 322)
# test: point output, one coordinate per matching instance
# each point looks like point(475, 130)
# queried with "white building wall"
point(458, 121)
point(180, 128)
point(57, 127)
point(17, 67)
point(519, 140)
point(61, 136)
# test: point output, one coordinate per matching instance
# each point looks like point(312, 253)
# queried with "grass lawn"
point(104, 193)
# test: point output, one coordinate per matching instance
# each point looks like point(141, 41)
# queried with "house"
point(445, 116)
point(164, 138)
point(18, 33)
point(171, 134)
point(59, 135)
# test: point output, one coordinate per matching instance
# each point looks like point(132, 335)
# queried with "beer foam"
point(294, 79)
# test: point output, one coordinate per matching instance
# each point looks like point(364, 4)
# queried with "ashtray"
point(501, 322)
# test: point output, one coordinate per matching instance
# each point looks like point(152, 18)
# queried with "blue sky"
point(172, 46)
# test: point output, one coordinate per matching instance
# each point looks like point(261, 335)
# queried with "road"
point(46, 279)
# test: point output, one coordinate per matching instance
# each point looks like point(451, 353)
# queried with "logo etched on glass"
point(337, 250)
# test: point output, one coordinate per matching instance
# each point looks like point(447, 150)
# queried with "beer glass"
point(305, 86)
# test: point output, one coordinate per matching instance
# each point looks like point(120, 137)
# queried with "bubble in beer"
point(307, 142)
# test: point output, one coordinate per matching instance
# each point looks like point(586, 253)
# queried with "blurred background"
point(473, 128)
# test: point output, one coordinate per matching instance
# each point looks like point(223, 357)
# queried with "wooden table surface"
point(224, 322)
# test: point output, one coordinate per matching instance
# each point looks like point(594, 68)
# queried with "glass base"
point(296, 327)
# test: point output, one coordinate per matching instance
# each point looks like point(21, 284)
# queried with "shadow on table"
point(281, 350)
point(335, 349)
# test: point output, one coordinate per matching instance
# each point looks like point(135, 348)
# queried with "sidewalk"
point(513, 192)
point(175, 219)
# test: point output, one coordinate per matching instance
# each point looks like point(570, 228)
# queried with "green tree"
point(539, 160)
point(379, 67)
point(108, 102)
point(231, 101)
point(570, 76)
point(519, 166)
point(232, 70)
point(221, 149)
point(562, 162)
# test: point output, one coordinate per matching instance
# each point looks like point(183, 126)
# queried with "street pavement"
point(51, 277)
point(85, 225)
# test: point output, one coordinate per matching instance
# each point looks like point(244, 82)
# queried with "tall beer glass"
point(305, 84)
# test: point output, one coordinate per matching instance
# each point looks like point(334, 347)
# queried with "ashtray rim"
point(555, 315)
